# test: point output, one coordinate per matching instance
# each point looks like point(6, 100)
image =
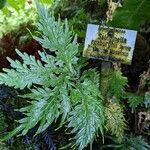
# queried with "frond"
point(31, 71)
point(57, 37)
point(134, 100)
point(58, 87)
point(65, 102)
point(115, 120)
point(116, 83)
point(43, 110)
point(130, 142)
point(87, 118)
point(135, 143)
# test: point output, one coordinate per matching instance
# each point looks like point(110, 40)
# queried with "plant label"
point(109, 44)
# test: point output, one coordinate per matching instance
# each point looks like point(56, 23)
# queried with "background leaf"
point(2, 3)
point(131, 15)
point(117, 83)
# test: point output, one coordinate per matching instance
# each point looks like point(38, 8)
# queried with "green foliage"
point(88, 117)
point(115, 121)
point(116, 83)
point(59, 88)
point(2, 129)
point(17, 13)
point(14, 14)
point(130, 142)
point(2, 3)
point(131, 15)
point(46, 1)
point(2, 122)
point(30, 72)
point(135, 143)
point(3, 146)
point(54, 81)
point(147, 99)
point(80, 13)
point(16, 4)
point(77, 23)
point(134, 100)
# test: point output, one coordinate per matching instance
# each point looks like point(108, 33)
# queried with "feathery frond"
point(116, 83)
point(87, 118)
point(115, 120)
point(135, 143)
point(135, 100)
point(57, 87)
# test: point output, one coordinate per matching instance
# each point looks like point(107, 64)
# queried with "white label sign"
point(109, 44)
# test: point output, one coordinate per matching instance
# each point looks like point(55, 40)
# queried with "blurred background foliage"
point(131, 15)
point(14, 13)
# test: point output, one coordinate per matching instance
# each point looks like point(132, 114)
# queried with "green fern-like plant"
point(115, 121)
point(56, 84)
point(130, 142)
point(135, 143)
point(134, 100)
point(117, 83)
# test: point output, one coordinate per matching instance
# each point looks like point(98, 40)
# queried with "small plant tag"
point(109, 44)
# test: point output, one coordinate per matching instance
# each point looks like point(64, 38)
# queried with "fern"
point(88, 117)
point(135, 143)
point(115, 121)
point(134, 100)
point(116, 83)
point(30, 72)
point(54, 81)
point(130, 142)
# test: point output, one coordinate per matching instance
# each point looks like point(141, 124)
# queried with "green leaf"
point(16, 13)
point(115, 121)
point(117, 83)
point(57, 37)
point(135, 143)
point(135, 100)
point(43, 110)
point(12, 133)
point(65, 102)
point(131, 15)
point(30, 72)
point(87, 118)
point(2, 3)
point(46, 1)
